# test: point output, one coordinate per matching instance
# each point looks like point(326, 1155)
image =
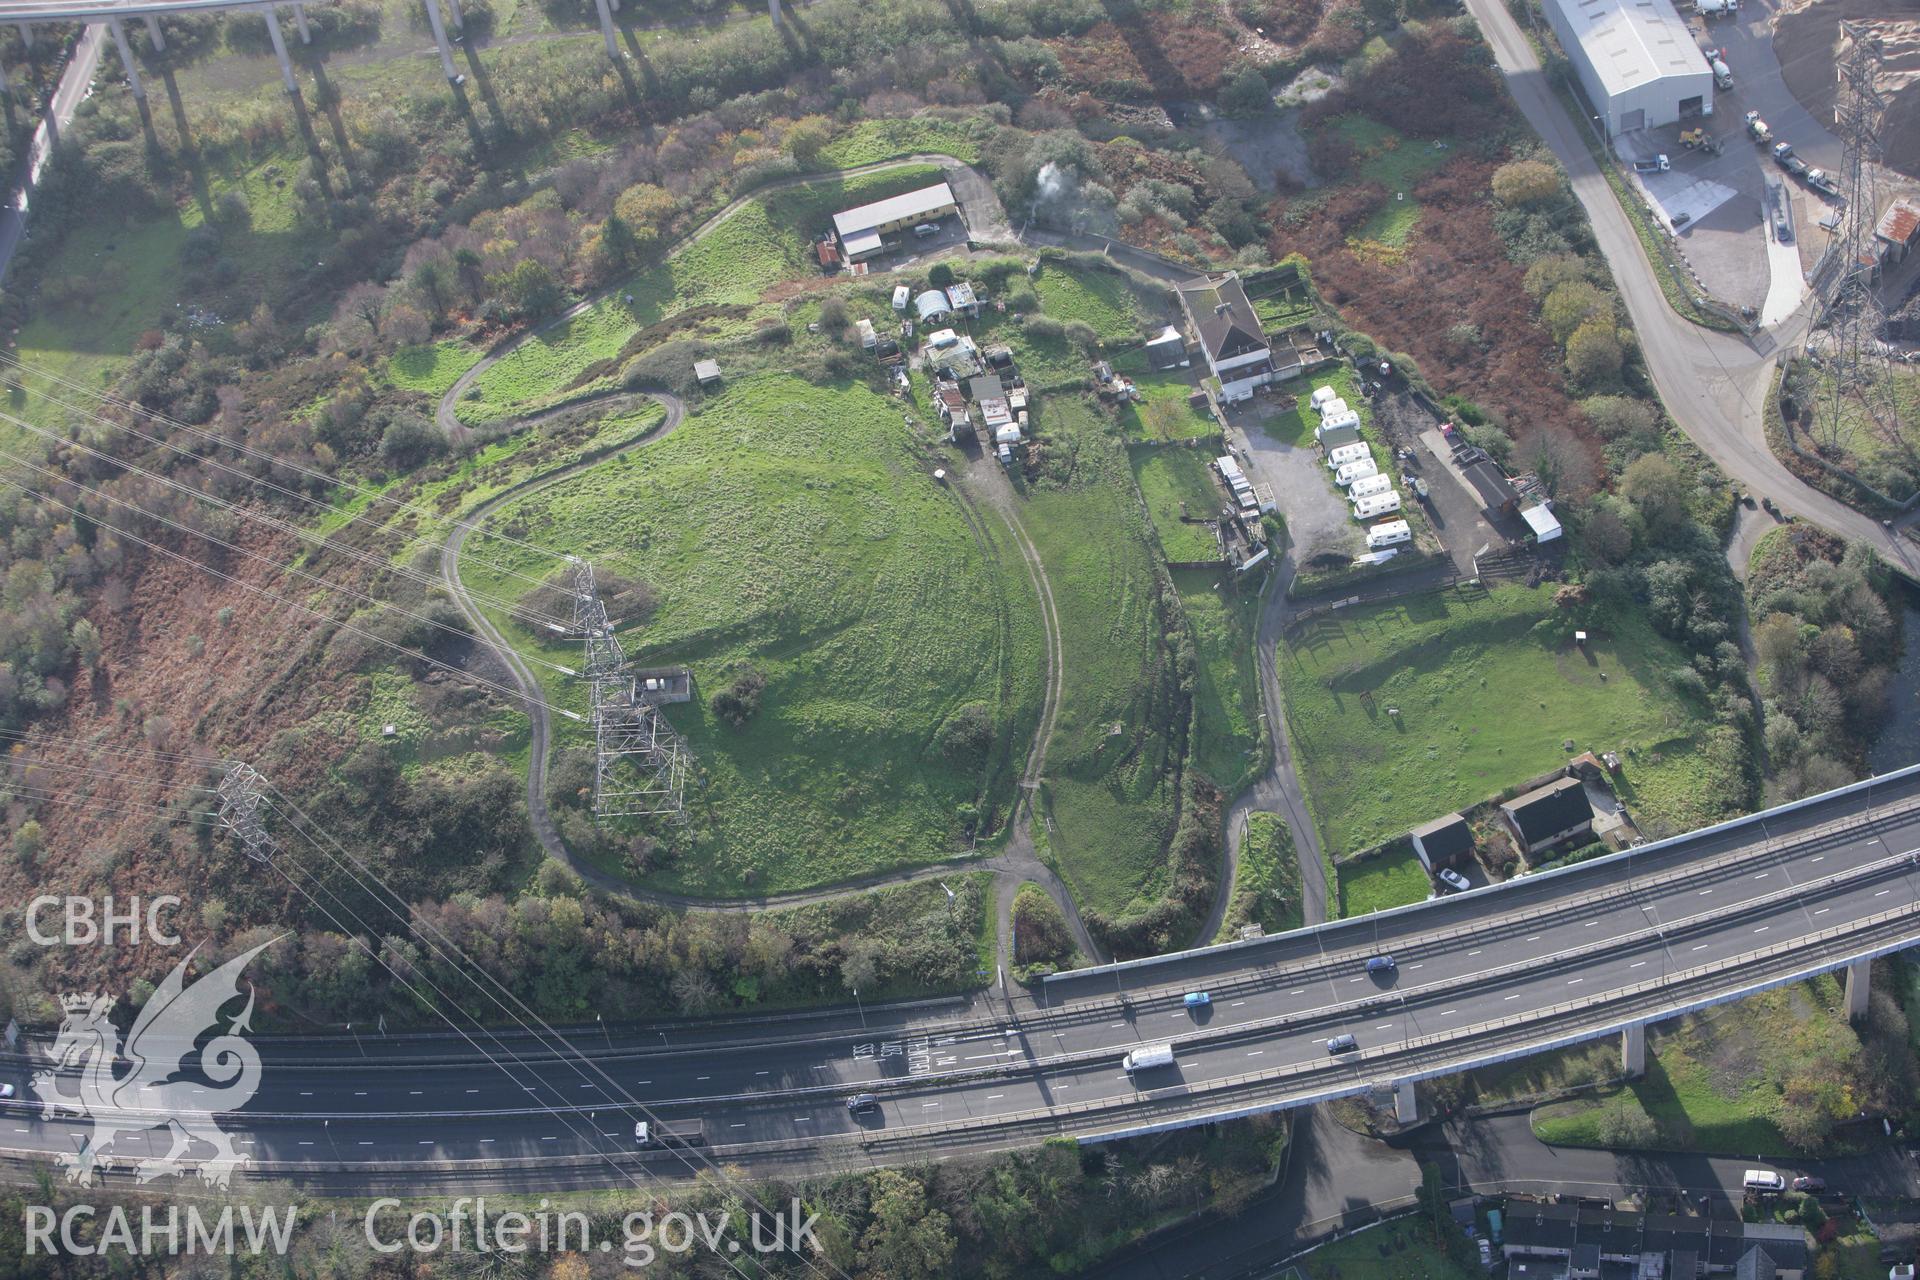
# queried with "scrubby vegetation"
point(1266, 888)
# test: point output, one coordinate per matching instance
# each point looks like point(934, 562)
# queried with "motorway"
point(1490, 974)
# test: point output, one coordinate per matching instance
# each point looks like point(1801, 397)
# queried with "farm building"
point(1545, 525)
point(1442, 842)
point(1496, 491)
point(1637, 61)
point(933, 305)
point(1166, 349)
point(1544, 817)
point(1230, 334)
point(860, 230)
point(1898, 230)
point(706, 372)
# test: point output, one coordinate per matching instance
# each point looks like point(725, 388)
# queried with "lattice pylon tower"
point(1852, 310)
point(242, 793)
point(639, 761)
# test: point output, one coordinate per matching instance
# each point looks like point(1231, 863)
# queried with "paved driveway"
point(1318, 519)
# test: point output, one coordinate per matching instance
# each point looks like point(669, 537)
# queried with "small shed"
point(1543, 523)
point(900, 295)
point(707, 371)
point(1496, 492)
point(1442, 842)
point(1166, 349)
point(961, 296)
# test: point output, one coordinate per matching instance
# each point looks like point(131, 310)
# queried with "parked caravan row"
point(1341, 455)
point(1368, 487)
point(1336, 421)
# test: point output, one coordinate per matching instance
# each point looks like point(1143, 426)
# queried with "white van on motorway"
point(1762, 1180)
point(1147, 1056)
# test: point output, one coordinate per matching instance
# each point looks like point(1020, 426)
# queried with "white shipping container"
point(1378, 504)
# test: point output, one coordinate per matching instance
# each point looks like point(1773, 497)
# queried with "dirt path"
point(1019, 861)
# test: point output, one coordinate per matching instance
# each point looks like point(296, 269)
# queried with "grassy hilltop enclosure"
point(1484, 689)
point(795, 531)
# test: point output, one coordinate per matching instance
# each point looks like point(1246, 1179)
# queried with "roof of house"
point(1633, 42)
point(1900, 223)
point(1490, 482)
point(1221, 313)
point(1559, 806)
point(1755, 1264)
point(910, 204)
point(1447, 837)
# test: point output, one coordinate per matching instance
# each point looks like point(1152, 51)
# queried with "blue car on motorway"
point(1380, 964)
point(1197, 1000)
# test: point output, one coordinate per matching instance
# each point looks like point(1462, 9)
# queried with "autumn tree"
point(906, 1238)
point(804, 139)
point(1658, 493)
point(1525, 182)
point(1594, 354)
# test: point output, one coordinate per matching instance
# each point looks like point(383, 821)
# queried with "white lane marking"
point(1353, 979)
point(23, 1131)
point(758, 1073)
point(366, 1142)
point(1236, 1004)
point(306, 1093)
point(1636, 964)
point(1119, 1024)
point(1822, 911)
point(738, 1124)
point(1592, 923)
point(1473, 953)
point(1514, 996)
point(1574, 982)
point(1822, 856)
point(643, 1082)
point(1176, 1015)
point(925, 1105)
point(1445, 1012)
point(414, 1092)
point(1256, 1053)
point(1763, 875)
point(1701, 947)
point(473, 1091)
point(305, 1143)
point(486, 1139)
point(591, 1085)
point(1883, 893)
point(1297, 991)
point(1533, 937)
point(1416, 966)
point(359, 1093)
point(801, 1119)
point(1763, 928)
point(427, 1142)
point(1705, 892)
point(992, 1096)
point(703, 1077)
point(1383, 1026)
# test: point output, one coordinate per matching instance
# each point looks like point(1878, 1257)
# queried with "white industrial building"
point(1637, 61)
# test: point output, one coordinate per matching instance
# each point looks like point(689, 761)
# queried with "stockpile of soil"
point(1807, 40)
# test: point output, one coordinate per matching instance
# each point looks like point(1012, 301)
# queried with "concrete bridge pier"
point(1859, 987)
point(1406, 1105)
point(126, 58)
point(440, 39)
point(154, 34)
point(1633, 1051)
point(606, 28)
point(300, 21)
point(280, 50)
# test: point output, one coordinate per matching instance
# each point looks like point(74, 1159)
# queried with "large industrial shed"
point(1636, 60)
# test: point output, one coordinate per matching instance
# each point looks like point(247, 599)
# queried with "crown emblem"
point(78, 1002)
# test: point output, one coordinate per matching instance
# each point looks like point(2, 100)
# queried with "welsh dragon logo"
point(155, 1091)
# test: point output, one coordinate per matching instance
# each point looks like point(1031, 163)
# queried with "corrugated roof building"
point(1636, 59)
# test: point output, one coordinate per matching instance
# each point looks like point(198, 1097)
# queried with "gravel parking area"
point(1318, 520)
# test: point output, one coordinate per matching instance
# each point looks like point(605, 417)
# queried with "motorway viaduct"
point(1601, 948)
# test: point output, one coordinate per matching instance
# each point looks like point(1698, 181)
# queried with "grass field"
point(1226, 694)
point(1167, 412)
point(1266, 890)
point(792, 528)
point(1396, 163)
point(763, 242)
point(432, 367)
point(1110, 794)
point(1714, 1081)
point(1402, 1250)
point(870, 141)
point(1102, 299)
point(1485, 696)
point(1174, 483)
point(1393, 879)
